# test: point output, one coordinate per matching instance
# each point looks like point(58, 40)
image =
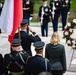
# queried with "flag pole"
point(19, 32)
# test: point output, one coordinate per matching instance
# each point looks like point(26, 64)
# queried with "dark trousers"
point(64, 18)
point(55, 24)
point(44, 30)
point(57, 72)
point(0, 30)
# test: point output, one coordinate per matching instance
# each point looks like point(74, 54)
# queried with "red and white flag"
point(11, 17)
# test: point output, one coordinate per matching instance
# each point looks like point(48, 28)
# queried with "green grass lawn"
point(73, 5)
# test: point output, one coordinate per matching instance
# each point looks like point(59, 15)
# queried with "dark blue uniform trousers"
point(55, 24)
point(44, 29)
point(64, 18)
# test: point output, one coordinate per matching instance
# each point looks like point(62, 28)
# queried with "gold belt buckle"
point(25, 8)
point(17, 73)
point(64, 5)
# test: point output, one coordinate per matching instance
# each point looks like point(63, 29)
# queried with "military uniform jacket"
point(57, 5)
point(65, 5)
point(27, 9)
point(1, 65)
point(27, 39)
point(36, 64)
point(56, 56)
point(14, 63)
point(46, 15)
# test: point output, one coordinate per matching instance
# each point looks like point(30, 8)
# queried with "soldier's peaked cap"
point(24, 22)
point(39, 45)
point(16, 42)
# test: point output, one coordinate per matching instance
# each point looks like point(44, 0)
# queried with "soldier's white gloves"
point(30, 18)
point(68, 13)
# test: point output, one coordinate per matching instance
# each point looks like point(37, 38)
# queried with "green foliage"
point(1, 0)
point(73, 5)
point(37, 4)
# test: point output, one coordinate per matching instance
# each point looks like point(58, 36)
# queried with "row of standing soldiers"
point(53, 10)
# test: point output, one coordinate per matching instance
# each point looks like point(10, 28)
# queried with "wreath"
point(69, 30)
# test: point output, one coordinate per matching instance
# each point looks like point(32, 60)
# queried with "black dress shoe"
point(0, 31)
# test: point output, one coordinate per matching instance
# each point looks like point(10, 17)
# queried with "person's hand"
point(30, 29)
point(68, 13)
point(30, 18)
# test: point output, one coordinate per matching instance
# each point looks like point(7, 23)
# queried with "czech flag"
point(11, 17)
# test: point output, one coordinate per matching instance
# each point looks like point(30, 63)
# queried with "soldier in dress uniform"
point(55, 7)
point(44, 15)
point(27, 39)
point(15, 61)
point(28, 10)
point(37, 64)
point(65, 10)
point(1, 65)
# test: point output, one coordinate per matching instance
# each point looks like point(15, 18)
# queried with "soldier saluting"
point(15, 61)
point(27, 39)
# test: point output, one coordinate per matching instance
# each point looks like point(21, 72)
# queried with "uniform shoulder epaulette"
point(21, 52)
point(30, 34)
point(34, 35)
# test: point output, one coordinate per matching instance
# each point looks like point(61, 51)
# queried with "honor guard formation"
point(20, 61)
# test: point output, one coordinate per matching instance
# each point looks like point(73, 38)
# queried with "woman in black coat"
point(55, 52)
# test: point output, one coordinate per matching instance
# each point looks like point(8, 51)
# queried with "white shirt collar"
point(39, 54)
point(45, 5)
